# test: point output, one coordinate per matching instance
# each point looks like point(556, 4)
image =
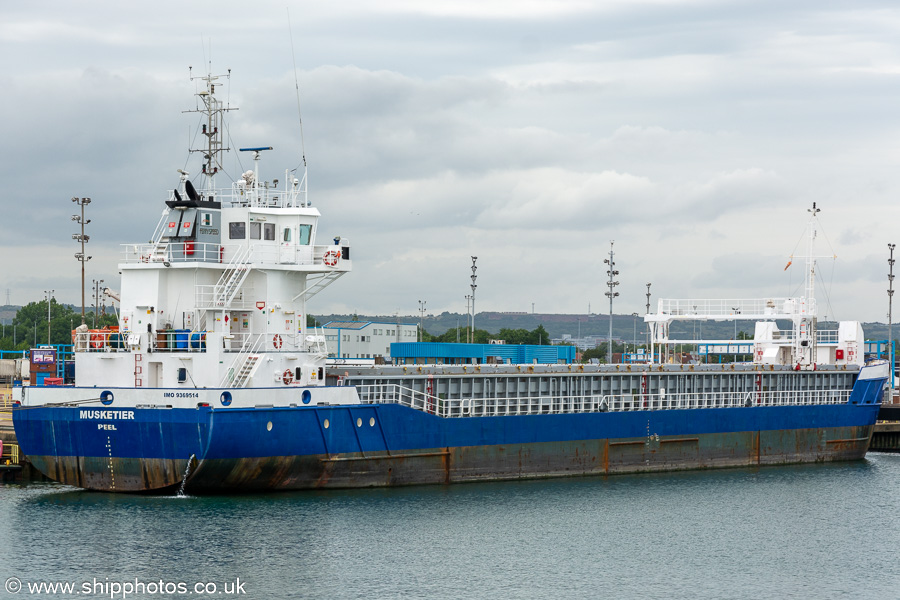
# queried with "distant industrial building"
point(375, 341)
point(366, 339)
point(583, 343)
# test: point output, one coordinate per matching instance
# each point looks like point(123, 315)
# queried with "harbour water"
point(811, 531)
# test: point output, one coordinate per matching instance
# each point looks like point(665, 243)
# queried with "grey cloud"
point(686, 131)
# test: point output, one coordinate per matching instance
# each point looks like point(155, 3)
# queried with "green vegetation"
point(30, 325)
point(600, 351)
point(537, 337)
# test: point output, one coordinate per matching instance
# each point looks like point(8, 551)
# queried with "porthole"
point(325, 424)
point(225, 398)
point(269, 426)
point(359, 422)
point(371, 421)
point(306, 397)
point(106, 397)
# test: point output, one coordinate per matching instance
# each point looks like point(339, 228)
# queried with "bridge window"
point(255, 231)
point(303, 236)
point(269, 231)
point(237, 231)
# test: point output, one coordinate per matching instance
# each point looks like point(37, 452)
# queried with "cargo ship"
point(214, 381)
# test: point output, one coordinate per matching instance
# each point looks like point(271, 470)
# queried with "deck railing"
point(263, 252)
point(9, 454)
point(732, 309)
point(565, 404)
point(164, 340)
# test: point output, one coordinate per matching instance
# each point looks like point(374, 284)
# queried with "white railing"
point(250, 345)
point(205, 296)
point(103, 340)
point(827, 336)
point(241, 195)
point(264, 342)
point(537, 405)
point(397, 394)
point(263, 252)
point(100, 340)
point(173, 253)
point(733, 309)
point(261, 196)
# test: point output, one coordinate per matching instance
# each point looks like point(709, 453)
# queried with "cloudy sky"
point(696, 134)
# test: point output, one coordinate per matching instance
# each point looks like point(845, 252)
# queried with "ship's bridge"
point(250, 223)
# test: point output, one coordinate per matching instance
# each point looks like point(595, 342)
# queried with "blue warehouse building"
point(440, 353)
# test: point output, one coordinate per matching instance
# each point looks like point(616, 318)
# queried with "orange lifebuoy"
point(97, 340)
point(276, 341)
point(331, 257)
point(287, 377)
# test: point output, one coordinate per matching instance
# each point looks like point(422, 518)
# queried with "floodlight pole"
point(421, 318)
point(97, 285)
point(49, 293)
point(890, 292)
point(611, 293)
point(83, 239)
point(474, 268)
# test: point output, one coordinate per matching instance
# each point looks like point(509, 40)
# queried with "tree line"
point(29, 327)
point(536, 337)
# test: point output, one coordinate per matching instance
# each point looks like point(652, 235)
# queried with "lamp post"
point(48, 294)
point(468, 317)
point(421, 317)
point(890, 292)
point(611, 293)
point(648, 324)
point(634, 333)
point(97, 285)
point(474, 268)
point(83, 239)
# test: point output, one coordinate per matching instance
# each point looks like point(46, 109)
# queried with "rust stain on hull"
point(462, 464)
point(112, 474)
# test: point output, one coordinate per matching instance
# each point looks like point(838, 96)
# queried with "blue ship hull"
point(229, 449)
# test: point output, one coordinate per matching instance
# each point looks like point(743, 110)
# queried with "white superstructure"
point(803, 346)
point(217, 298)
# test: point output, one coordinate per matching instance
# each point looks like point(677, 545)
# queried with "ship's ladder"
point(245, 364)
point(159, 252)
point(232, 278)
point(138, 370)
point(247, 370)
point(317, 285)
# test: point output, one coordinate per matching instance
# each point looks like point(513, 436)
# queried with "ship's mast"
point(805, 328)
point(810, 257)
point(806, 325)
point(213, 111)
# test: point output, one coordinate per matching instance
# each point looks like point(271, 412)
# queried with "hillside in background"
point(8, 313)
point(625, 327)
point(558, 325)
